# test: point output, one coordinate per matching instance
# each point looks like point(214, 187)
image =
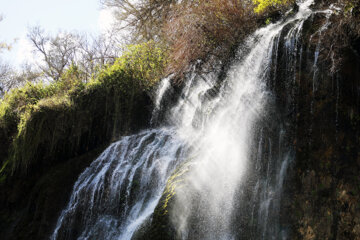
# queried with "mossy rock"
point(161, 225)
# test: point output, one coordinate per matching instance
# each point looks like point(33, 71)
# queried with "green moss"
point(174, 182)
point(161, 226)
point(144, 62)
point(268, 21)
point(3, 173)
point(348, 8)
point(37, 118)
point(38, 125)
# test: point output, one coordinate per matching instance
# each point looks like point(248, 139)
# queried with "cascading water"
point(121, 188)
point(223, 140)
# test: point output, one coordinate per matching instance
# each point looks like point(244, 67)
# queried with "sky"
point(52, 15)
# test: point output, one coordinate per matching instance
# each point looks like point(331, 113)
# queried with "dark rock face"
point(33, 204)
point(326, 174)
point(322, 109)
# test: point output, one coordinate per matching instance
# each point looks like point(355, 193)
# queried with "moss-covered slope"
point(49, 133)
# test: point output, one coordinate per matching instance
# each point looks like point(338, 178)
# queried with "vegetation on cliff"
point(194, 30)
point(263, 5)
point(41, 115)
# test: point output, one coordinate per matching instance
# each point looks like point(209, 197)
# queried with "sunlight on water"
point(120, 190)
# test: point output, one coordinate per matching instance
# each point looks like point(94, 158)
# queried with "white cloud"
point(24, 52)
point(109, 27)
point(106, 20)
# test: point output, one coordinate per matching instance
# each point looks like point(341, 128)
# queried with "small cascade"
point(337, 106)
point(319, 34)
point(315, 67)
point(164, 85)
point(121, 188)
point(267, 192)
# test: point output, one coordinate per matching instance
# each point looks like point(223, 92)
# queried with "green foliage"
point(268, 21)
point(3, 174)
point(144, 62)
point(263, 5)
point(20, 102)
point(15, 103)
point(351, 9)
point(34, 127)
point(44, 114)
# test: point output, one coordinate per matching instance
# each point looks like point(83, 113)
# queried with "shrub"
point(263, 5)
point(193, 30)
point(40, 121)
point(37, 125)
point(204, 29)
point(18, 100)
point(144, 62)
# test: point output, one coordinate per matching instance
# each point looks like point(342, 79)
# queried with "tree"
point(5, 69)
point(144, 18)
point(96, 51)
point(57, 52)
point(4, 45)
point(190, 29)
point(5, 77)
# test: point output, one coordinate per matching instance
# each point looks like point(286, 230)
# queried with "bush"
point(194, 30)
point(15, 103)
point(55, 121)
point(263, 5)
point(205, 29)
point(144, 62)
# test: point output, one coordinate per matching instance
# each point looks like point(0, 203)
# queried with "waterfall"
point(224, 140)
point(121, 187)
